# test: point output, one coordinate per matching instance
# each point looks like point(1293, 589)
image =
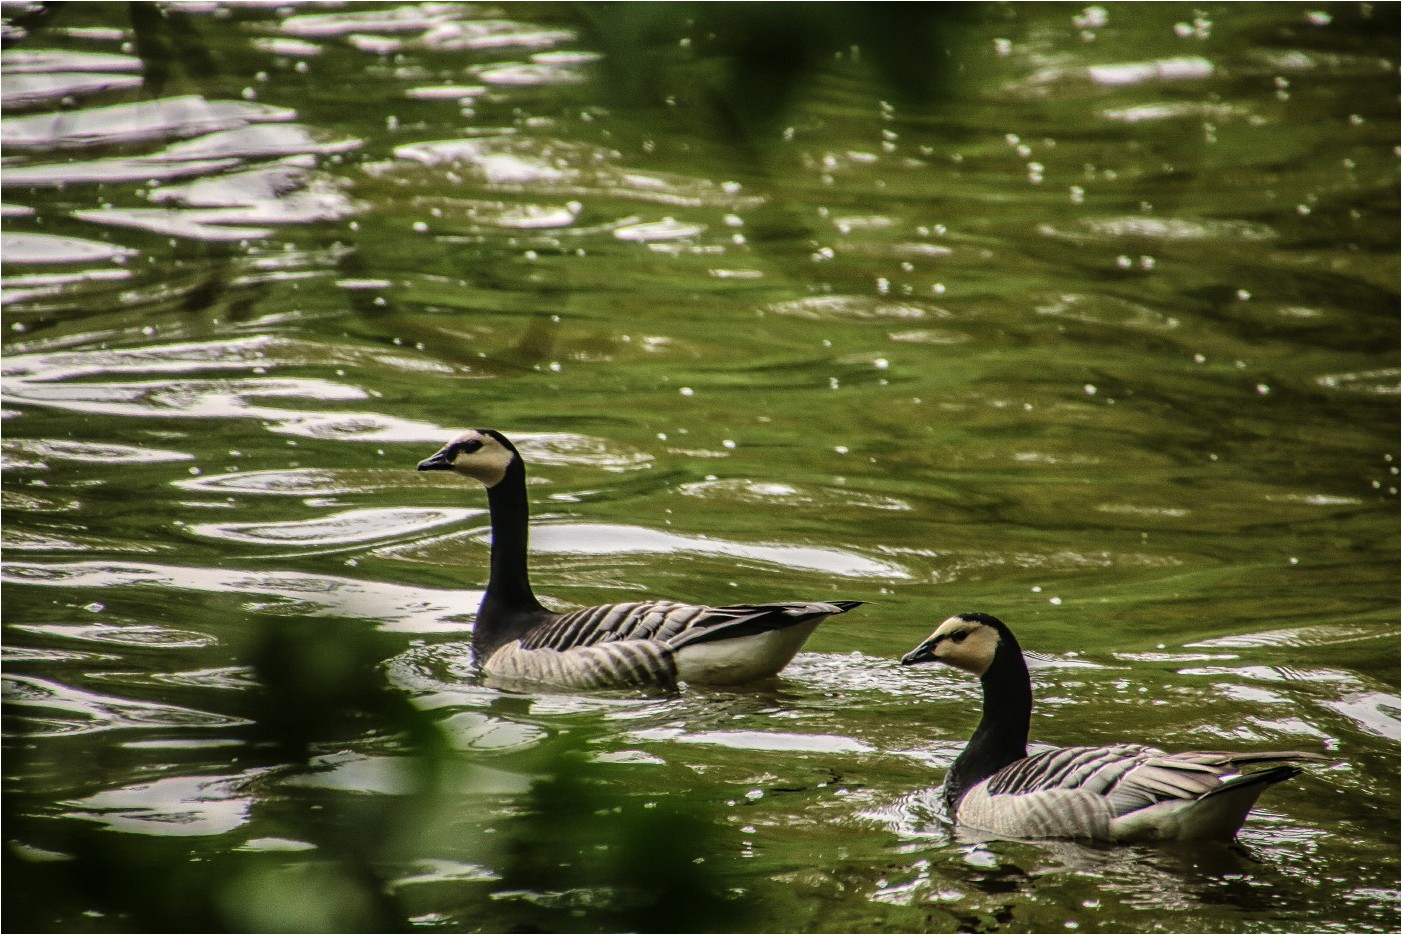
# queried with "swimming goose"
point(655, 642)
point(1122, 792)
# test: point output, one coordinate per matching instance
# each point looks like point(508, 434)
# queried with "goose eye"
point(959, 637)
point(468, 447)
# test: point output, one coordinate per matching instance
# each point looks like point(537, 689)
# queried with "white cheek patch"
point(981, 646)
point(487, 464)
point(973, 654)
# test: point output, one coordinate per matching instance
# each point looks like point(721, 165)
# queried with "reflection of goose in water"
point(636, 643)
point(1122, 792)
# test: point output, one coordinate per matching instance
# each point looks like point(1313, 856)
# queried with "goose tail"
point(755, 643)
point(1264, 777)
point(1217, 814)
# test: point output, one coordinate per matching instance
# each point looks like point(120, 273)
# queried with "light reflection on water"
point(1106, 346)
point(394, 608)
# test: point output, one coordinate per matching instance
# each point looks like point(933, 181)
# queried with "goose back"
point(657, 642)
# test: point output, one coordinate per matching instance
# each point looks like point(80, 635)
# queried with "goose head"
point(965, 641)
point(482, 454)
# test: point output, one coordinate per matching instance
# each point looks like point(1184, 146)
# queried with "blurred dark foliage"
point(577, 835)
point(577, 840)
point(318, 686)
point(763, 54)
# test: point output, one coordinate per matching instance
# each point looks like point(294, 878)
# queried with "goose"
point(1120, 792)
point(639, 643)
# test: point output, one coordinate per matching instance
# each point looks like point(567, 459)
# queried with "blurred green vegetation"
point(577, 841)
point(757, 58)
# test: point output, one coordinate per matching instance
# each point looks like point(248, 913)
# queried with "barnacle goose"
point(1120, 792)
point(637, 643)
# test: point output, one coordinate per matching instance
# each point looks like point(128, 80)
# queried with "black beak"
point(439, 462)
point(925, 652)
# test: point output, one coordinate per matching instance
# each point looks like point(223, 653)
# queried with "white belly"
point(744, 658)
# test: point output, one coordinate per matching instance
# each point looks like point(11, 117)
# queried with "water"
point(1103, 340)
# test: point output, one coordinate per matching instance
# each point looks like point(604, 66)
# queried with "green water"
point(1100, 337)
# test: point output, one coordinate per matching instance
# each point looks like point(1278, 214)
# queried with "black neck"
point(1001, 736)
point(509, 586)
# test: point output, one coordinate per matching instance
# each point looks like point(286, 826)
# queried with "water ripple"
point(473, 730)
point(1381, 382)
point(1106, 310)
point(52, 248)
point(753, 740)
point(35, 379)
point(1152, 228)
point(164, 118)
point(224, 224)
point(353, 772)
point(144, 635)
point(408, 18)
point(492, 34)
point(854, 307)
point(1328, 634)
point(28, 61)
point(113, 169)
point(613, 539)
point(511, 163)
point(365, 525)
point(443, 871)
point(81, 712)
point(22, 90)
point(396, 608)
point(298, 482)
point(177, 806)
point(91, 452)
point(524, 74)
point(775, 492)
point(261, 141)
point(1374, 712)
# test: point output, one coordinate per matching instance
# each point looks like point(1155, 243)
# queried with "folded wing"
point(1124, 791)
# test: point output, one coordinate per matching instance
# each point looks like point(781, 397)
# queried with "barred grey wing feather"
point(1169, 778)
point(1129, 777)
point(1094, 768)
point(637, 620)
point(747, 619)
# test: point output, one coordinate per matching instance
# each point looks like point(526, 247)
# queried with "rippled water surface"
point(1101, 339)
